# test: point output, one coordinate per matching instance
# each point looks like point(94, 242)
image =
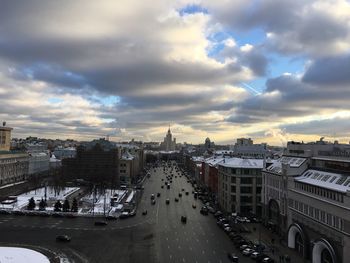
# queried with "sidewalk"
point(275, 247)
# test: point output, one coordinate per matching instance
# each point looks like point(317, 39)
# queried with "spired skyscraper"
point(168, 144)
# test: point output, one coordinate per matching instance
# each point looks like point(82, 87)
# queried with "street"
point(159, 236)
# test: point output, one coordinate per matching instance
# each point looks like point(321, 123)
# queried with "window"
point(233, 189)
point(246, 190)
point(246, 199)
point(233, 170)
point(246, 180)
point(233, 180)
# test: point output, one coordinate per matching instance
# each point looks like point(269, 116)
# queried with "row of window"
point(240, 171)
point(320, 191)
point(317, 214)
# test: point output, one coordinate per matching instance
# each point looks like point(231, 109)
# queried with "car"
point(183, 219)
point(194, 206)
point(162, 186)
point(152, 196)
point(186, 193)
point(124, 215)
point(158, 194)
point(144, 212)
point(255, 255)
point(232, 257)
point(267, 260)
point(228, 229)
point(182, 189)
point(153, 202)
point(132, 213)
point(243, 247)
point(204, 210)
point(168, 186)
point(180, 194)
point(248, 251)
point(167, 201)
point(63, 238)
point(100, 223)
point(176, 199)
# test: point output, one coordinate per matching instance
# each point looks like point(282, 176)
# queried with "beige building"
point(239, 185)
point(13, 165)
point(5, 138)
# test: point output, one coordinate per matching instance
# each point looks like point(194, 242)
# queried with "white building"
point(62, 153)
point(39, 158)
point(239, 185)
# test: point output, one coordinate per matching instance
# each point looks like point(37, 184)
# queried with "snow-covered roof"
point(197, 158)
point(243, 163)
point(276, 166)
point(332, 181)
point(214, 160)
point(127, 156)
point(129, 146)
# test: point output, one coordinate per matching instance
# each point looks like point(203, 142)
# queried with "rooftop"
point(243, 163)
point(332, 181)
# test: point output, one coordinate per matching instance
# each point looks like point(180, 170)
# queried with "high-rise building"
point(168, 144)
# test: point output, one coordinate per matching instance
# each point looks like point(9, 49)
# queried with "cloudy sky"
point(271, 70)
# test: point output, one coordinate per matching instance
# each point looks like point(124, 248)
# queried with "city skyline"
point(271, 70)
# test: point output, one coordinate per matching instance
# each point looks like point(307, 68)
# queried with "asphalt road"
point(158, 236)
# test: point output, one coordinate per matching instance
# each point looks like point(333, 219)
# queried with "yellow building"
point(5, 138)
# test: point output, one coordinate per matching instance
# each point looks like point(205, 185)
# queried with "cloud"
point(329, 71)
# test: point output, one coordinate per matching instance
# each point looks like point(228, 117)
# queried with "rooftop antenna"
point(4, 123)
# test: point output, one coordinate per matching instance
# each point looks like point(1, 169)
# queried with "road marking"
point(191, 248)
point(183, 260)
point(202, 251)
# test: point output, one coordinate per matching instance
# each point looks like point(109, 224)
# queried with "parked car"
point(167, 201)
point(267, 260)
point(204, 210)
point(194, 206)
point(124, 215)
point(180, 195)
point(153, 202)
point(243, 247)
point(158, 194)
point(248, 251)
point(144, 212)
point(176, 199)
point(63, 238)
point(183, 219)
point(232, 257)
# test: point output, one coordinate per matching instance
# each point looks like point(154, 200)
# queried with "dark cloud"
point(329, 71)
point(327, 127)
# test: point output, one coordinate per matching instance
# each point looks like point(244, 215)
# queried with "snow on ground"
point(104, 200)
point(38, 194)
point(20, 255)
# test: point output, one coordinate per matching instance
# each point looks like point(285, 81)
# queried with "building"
point(168, 144)
point(5, 137)
point(131, 163)
point(209, 175)
point(245, 147)
point(13, 164)
point(39, 158)
point(311, 202)
point(65, 152)
point(239, 185)
point(96, 162)
point(274, 191)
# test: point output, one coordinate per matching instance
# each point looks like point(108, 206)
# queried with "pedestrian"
point(280, 259)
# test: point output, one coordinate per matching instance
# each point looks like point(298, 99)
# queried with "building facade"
point(169, 144)
point(307, 193)
point(239, 185)
point(5, 138)
point(39, 158)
